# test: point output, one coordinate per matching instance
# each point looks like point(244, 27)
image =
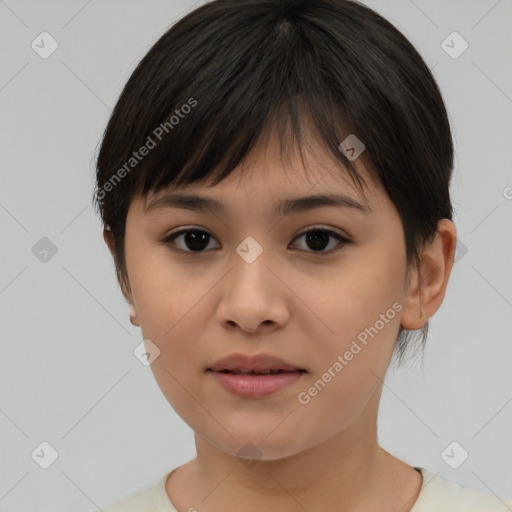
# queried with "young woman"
point(274, 186)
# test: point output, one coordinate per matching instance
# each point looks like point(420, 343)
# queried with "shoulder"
point(440, 495)
point(149, 499)
point(135, 502)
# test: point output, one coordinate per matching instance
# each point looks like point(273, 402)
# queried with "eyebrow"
point(282, 208)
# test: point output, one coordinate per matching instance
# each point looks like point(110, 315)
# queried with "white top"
point(436, 495)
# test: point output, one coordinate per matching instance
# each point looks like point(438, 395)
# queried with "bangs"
point(213, 148)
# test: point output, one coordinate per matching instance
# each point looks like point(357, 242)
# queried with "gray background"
point(69, 376)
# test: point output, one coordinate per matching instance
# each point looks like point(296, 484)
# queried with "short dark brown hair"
point(229, 71)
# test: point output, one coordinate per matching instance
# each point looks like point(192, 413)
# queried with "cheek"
point(173, 317)
point(356, 318)
point(168, 294)
point(172, 314)
point(352, 298)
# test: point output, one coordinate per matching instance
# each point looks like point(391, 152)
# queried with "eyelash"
point(169, 240)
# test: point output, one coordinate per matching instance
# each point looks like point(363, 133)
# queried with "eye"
point(197, 240)
point(318, 238)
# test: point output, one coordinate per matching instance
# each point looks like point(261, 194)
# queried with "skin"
point(296, 303)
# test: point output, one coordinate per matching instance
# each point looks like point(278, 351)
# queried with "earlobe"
point(133, 315)
point(428, 283)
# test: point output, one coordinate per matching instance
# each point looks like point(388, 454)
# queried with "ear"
point(427, 284)
point(109, 240)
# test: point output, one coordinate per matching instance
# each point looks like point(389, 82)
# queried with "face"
point(322, 304)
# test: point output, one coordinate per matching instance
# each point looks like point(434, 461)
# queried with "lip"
point(256, 386)
point(257, 363)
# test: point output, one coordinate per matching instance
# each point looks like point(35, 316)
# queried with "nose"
point(253, 298)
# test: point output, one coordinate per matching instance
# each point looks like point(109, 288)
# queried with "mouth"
point(255, 376)
point(256, 384)
point(256, 372)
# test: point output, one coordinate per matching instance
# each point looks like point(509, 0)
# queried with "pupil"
point(319, 239)
point(196, 240)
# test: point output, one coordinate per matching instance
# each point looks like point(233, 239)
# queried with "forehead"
point(270, 173)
